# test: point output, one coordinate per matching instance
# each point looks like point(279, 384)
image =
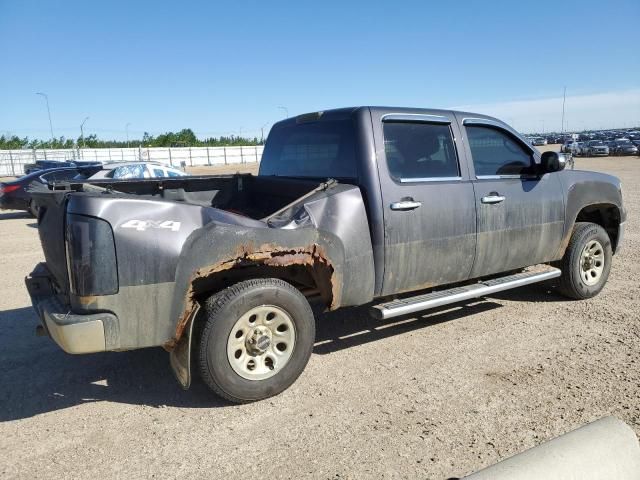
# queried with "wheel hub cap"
point(592, 263)
point(261, 342)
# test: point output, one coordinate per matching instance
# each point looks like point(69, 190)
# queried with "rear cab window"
point(313, 149)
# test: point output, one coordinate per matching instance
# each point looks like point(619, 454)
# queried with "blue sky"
point(226, 67)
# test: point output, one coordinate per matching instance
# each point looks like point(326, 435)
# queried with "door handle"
point(404, 205)
point(493, 198)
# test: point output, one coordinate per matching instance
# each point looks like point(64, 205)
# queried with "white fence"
point(12, 161)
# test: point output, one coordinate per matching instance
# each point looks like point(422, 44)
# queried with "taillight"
point(91, 256)
point(8, 188)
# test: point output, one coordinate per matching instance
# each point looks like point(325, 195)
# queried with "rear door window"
point(420, 151)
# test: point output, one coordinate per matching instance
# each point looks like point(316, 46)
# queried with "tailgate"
point(51, 225)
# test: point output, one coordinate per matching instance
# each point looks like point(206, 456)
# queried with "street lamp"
point(262, 132)
point(46, 99)
point(126, 127)
point(286, 111)
point(82, 130)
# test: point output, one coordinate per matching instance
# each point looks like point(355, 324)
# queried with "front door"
point(520, 213)
point(428, 201)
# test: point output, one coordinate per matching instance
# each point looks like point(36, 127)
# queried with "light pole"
point(82, 130)
point(126, 127)
point(564, 99)
point(46, 99)
point(262, 132)
point(286, 111)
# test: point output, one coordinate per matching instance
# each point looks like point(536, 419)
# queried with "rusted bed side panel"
point(328, 233)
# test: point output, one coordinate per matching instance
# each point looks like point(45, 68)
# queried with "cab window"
point(496, 152)
point(419, 151)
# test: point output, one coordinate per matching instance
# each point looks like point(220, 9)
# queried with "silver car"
point(596, 148)
point(130, 170)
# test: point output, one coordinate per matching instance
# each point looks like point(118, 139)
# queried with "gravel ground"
point(432, 397)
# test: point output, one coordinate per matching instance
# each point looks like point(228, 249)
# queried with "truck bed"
point(245, 194)
point(253, 197)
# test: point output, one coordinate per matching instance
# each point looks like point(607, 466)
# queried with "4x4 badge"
point(142, 225)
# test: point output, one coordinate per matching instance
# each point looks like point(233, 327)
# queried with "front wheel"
point(587, 261)
point(257, 339)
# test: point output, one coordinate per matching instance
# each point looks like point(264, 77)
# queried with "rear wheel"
point(587, 261)
point(33, 209)
point(257, 339)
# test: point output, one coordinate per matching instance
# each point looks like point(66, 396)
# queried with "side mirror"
point(552, 162)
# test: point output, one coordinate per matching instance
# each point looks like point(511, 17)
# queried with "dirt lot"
point(430, 397)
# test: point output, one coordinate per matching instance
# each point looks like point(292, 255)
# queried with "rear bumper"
point(74, 333)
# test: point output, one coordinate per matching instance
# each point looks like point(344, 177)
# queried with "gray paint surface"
point(371, 249)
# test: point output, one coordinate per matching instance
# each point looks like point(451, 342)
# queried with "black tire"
point(572, 283)
point(33, 209)
point(224, 309)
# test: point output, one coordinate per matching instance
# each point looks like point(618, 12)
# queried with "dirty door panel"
point(520, 214)
point(525, 229)
point(429, 212)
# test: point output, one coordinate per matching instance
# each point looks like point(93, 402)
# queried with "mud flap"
point(180, 356)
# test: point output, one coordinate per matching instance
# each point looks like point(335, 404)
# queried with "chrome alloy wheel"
point(261, 342)
point(592, 262)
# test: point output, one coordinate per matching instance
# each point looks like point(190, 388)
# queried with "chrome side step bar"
point(419, 303)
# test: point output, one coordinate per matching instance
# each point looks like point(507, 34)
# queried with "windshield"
point(320, 149)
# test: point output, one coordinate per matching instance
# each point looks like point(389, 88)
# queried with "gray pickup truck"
point(351, 206)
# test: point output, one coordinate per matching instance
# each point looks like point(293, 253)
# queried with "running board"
point(419, 303)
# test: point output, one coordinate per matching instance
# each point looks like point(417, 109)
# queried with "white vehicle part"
point(605, 449)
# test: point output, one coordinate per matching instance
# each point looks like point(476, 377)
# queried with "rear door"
point(520, 213)
point(428, 202)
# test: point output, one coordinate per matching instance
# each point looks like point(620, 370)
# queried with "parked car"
point(538, 141)
point(349, 206)
point(48, 164)
point(595, 148)
point(623, 146)
point(15, 196)
point(131, 170)
point(566, 147)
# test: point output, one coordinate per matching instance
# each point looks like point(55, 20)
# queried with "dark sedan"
point(48, 164)
point(623, 146)
point(14, 195)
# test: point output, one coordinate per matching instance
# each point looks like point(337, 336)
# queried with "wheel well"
point(604, 214)
point(311, 281)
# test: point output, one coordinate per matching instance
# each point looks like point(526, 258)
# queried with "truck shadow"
point(350, 327)
point(38, 377)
